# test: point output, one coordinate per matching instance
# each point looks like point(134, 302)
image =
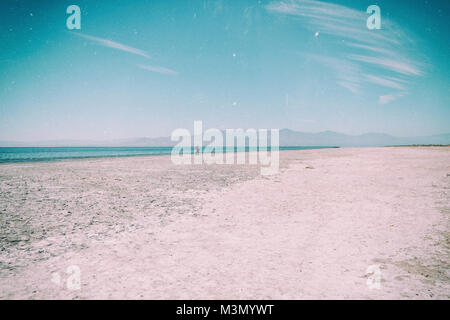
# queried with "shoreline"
point(282, 148)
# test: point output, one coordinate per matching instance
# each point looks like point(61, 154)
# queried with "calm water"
point(28, 154)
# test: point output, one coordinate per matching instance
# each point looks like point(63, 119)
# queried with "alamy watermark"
point(73, 281)
point(227, 147)
point(374, 20)
point(373, 273)
point(74, 20)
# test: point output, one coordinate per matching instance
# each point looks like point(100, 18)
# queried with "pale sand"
point(142, 227)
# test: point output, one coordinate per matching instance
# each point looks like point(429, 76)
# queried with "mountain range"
point(287, 138)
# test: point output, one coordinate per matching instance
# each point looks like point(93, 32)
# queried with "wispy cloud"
point(400, 67)
point(352, 86)
point(378, 57)
point(123, 47)
point(386, 82)
point(389, 98)
point(347, 73)
point(158, 69)
point(114, 45)
point(371, 49)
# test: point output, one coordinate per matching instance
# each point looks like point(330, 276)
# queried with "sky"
point(146, 68)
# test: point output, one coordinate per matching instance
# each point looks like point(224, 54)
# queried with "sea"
point(31, 154)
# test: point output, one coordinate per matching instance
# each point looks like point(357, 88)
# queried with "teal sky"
point(145, 68)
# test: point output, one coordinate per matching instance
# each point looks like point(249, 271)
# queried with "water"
point(29, 154)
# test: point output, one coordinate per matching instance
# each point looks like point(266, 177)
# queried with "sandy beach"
point(144, 228)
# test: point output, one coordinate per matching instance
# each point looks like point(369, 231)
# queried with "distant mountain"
point(130, 142)
point(330, 138)
point(287, 138)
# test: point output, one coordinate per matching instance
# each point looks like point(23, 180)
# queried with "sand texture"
point(144, 228)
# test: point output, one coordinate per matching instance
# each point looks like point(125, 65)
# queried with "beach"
point(144, 228)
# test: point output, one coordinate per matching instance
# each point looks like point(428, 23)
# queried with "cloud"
point(353, 87)
point(158, 69)
point(392, 65)
point(389, 98)
point(380, 57)
point(114, 45)
point(371, 49)
point(386, 82)
point(346, 72)
point(386, 98)
point(122, 47)
point(334, 19)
